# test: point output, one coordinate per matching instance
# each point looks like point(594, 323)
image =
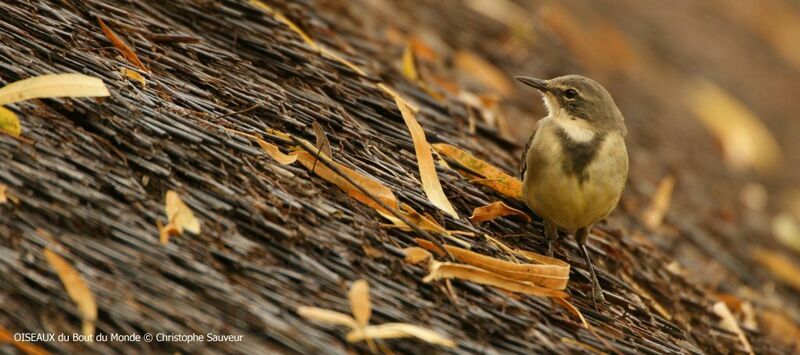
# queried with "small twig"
point(257, 105)
point(330, 165)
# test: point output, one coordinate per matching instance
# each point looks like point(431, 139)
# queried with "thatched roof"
point(92, 175)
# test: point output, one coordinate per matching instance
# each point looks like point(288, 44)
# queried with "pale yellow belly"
point(561, 198)
point(571, 204)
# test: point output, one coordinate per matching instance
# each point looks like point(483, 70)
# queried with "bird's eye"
point(570, 93)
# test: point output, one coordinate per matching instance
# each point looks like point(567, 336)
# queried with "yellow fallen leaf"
point(477, 275)
point(380, 191)
point(494, 210)
point(395, 96)
point(399, 330)
point(3, 194)
point(486, 73)
point(427, 169)
point(9, 122)
point(52, 85)
point(286, 21)
point(326, 316)
point(166, 231)
point(729, 323)
point(383, 193)
point(275, 153)
point(489, 175)
point(653, 216)
point(415, 255)
point(423, 222)
point(360, 330)
point(377, 189)
point(409, 65)
point(306, 38)
point(574, 310)
point(133, 75)
point(746, 141)
point(422, 50)
point(322, 144)
point(179, 215)
point(359, 302)
point(779, 265)
point(76, 289)
point(552, 273)
point(7, 336)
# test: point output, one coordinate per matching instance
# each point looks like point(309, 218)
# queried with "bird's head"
point(578, 98)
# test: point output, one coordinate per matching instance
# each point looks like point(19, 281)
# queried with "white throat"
point(577, 130)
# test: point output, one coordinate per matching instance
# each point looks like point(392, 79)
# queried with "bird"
point(575, 164)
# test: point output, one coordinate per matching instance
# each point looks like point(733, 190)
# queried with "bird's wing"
point(524, 161)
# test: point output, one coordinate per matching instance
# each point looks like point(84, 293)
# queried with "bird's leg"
point(550, 236)
point(581, 236)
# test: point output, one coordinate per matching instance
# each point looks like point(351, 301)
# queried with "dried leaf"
point(427, 169)
point(395, 96)
point(552, 273)
point(377, 189)
point(326, 52)
point(52, 85)
point(422, 50)
point(746, 141)
point(76, 289)
point(729, 323)
point(9, 122)
point(491, 176)
point(399, 330)
point(3, 196)
point(659, 204)
point(323, 145)
point(122, 46)
point(359, 302)
point(275, 153)
point(280, 17)
point(7, 336)
point(486, 73)
point(424, 222)
point(164, 232)
point(415, 255)
point(179, 214)
point(133, 75)
point(409, 65)
point(494, 210)
point(574, 310)
point(327, 316)
point(477, 275)
point(779, 265)
point(374, 187)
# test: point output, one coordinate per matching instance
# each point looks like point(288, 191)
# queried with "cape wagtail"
point(575, 163)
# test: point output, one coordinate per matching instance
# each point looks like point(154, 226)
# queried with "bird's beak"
point(539, 84)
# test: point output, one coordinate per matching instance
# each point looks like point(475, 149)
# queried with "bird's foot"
point(597, 295)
